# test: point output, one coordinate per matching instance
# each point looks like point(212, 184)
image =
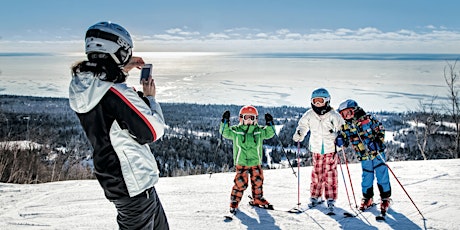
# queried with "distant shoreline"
point(170, 103)
point(304, 55)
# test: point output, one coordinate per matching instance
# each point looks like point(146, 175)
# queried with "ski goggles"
point(318, 101)
point(347, 113)
point(248, 117)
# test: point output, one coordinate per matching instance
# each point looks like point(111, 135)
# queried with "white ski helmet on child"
point(108, 38)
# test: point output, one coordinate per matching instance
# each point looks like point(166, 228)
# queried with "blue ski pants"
point(375, 168)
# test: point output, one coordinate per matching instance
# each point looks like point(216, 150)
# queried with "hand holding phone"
point(146, 72)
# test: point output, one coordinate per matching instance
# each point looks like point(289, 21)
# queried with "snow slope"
point(199, 202)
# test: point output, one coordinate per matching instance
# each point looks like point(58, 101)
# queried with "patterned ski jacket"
point(247, 142)
point(323, 130)
point(119, 125)
point(366, 135)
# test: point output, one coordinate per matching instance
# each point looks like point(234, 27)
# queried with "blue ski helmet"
point(110, 39)
point(321, 92)
point(349, 103)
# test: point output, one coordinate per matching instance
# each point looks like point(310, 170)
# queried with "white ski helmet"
point(108, 38)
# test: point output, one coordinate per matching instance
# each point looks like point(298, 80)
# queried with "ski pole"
point(221, 134)
point(343, 176)
point(219, 141)
point(282, 149)
point(298, 172)
point(381, 158)
point(349, 176)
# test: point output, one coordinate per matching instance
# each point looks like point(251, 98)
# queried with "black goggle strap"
point(95, 33)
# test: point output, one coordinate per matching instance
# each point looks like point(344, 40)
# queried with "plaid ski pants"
point(324, 175)
point(241, 183)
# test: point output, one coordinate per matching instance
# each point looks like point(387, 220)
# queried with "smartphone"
point(146, 71)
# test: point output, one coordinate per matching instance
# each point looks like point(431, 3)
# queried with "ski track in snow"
point(201, 201)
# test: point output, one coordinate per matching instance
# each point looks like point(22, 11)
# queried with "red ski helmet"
point(249, 110)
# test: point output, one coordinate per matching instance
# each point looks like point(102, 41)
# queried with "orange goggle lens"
point(317, 100)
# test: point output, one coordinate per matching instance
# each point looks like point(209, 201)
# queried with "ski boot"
point(315, 201)
point(384, 205)
point(330, 207)
point(365, 204)
point(232, 214)
point(261, 203)
point(233, 206)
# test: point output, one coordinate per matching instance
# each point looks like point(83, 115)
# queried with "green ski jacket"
point(247, 142)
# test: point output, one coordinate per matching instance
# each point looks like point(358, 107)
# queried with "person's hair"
point(99, 66)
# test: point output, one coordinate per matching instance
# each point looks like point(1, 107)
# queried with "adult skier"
point(323, 123)
point(247, 139)
point(119, 123)
point(366, 135)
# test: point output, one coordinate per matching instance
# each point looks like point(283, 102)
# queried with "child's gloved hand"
point(373, 146)
point(339, 141)
point(268, 119)
point(297, 137)
point(226, 117)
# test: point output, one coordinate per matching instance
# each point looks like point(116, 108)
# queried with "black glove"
point(226, 117)
point(268, 119)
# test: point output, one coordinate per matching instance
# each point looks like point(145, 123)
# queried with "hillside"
point(199, 202)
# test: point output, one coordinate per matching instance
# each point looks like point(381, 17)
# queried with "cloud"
point(168, 37)
point(218, 36)
point(435, 39)
point(282, 31)
point(177, 31)
point(368, 30)
point(240, 29)
point(294, 36)
point(262, 35)
point(343, 31)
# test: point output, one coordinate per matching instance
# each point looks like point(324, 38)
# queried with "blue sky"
point(239, 25)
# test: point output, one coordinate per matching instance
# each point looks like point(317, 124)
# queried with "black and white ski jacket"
point(119, 124)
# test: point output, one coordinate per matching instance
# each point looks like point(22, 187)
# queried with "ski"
point(370, 206)
point(228, 217)
point(380, 217)
point(347, 214)
point(296, 210)
point(330, 210)
point(267, 206)
point(312, 205)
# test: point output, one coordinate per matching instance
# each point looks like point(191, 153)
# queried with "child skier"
point(323, 123)
point(247, 139)
point(366, 135)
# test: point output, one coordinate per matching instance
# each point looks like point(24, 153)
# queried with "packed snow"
point(201, 201)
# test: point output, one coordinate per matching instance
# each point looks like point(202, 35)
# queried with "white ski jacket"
point(323, 130)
